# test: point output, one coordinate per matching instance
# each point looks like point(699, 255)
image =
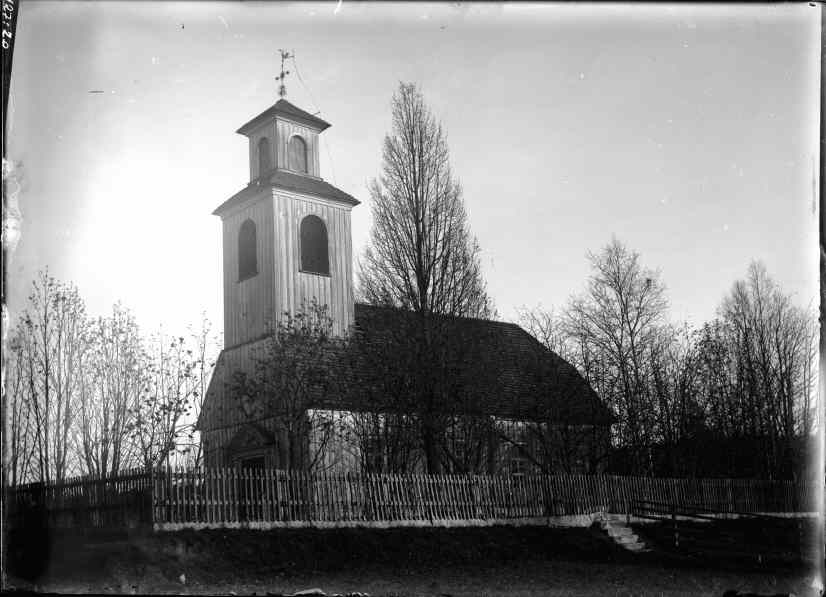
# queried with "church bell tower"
point(286, 235)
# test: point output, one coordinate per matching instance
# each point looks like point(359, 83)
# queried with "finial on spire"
point(282, 89)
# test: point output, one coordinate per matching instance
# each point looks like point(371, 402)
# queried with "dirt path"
point(515, 579)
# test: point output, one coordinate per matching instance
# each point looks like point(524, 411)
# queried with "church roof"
point(289, 181)
point(495, 368)
point(285, 108)
point(500, 368)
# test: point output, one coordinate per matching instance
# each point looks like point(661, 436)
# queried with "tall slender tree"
point(422, 258)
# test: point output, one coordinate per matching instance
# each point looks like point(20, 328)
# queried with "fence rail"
point(217, 496)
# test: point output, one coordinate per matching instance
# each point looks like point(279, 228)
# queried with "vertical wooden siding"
point(249, 303)
point(295, 286)
point(280, 284)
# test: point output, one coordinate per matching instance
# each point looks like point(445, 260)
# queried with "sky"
point(688, 132)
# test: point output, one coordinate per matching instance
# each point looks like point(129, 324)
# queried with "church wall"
point(293, 286)
point(248, 304)
point(223, 416)
point(286, 129)
point(224, 410)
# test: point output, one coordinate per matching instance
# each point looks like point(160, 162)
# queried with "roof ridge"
point(446, 315)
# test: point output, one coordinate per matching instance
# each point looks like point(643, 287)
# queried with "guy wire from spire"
point(318, 111)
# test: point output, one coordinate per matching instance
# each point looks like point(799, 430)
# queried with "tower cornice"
point(288, 111)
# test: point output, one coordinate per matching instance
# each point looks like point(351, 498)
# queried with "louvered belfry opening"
point(247, 253)
point(314, 254)
point(297, 154)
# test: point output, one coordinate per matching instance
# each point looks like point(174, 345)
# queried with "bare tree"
point(205, 345)
point(110, 390)
point(292, 374)
point(157, 422)
point(53, 345)
point(548, 326)
point(673, 361)
point(19, 424)
point(613, 325)
point(422, 257)
point(761, 363)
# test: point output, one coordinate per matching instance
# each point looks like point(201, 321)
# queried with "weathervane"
point(282, 89)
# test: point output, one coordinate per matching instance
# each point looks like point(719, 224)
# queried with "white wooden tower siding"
point(285, 189)
point(265, 273)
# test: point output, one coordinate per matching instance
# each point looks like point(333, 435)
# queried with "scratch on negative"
point(12, 175)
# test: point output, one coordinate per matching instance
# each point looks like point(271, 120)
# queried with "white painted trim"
point(365, 524)
point(294, 121)
point(571, 521)
point(313, 199)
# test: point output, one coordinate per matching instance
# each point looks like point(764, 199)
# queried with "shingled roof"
point(507, 371)
point(289, 181)
point(285, 108)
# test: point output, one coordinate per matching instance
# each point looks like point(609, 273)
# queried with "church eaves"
point(285, 108)
point(281, 179)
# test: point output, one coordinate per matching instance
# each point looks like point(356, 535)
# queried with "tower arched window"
point(264, 156)
point(297, 154)
point(247, 251)
point(314, 255)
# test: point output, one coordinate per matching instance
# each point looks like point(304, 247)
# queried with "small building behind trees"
point(310, 380)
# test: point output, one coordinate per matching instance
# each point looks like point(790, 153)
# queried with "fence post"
point(149, 497)
point(674, 523)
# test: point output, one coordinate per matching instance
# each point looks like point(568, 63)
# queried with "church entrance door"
point(250, 491)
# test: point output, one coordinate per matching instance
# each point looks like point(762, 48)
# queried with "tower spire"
point(282, 89)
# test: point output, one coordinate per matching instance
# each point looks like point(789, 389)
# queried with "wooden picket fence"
point(119, 501)
point(219, 496)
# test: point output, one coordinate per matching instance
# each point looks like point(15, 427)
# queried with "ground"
point(494, 561)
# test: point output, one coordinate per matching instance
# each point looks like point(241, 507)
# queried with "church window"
point(314, 256)
point(247, 254)
point(297, 154)
point(264, 156)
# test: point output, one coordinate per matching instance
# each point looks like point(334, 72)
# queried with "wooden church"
point(286, 242)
